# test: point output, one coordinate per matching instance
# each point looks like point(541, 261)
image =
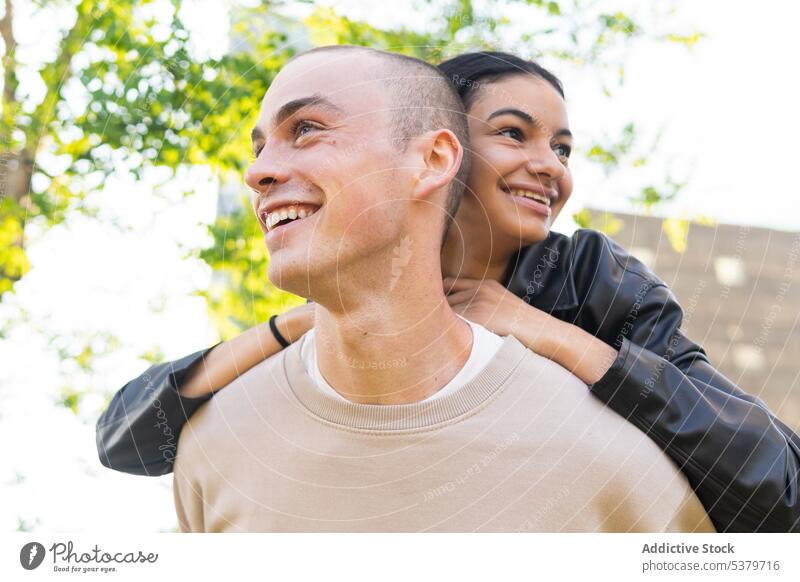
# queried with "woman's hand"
point(491, 305)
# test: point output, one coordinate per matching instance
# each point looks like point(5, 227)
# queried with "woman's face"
point(521, 145)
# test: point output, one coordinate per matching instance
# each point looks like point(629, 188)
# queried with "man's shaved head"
point(422, 99)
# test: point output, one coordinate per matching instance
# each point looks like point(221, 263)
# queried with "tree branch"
point(9, 57)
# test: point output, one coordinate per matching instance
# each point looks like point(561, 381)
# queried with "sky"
point(729, 119)
point(729, 109)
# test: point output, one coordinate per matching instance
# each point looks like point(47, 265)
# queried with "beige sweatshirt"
point(521, 447)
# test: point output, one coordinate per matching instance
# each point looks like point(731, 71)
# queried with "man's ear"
point(441, 158)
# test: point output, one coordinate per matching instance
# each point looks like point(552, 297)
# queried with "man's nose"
point(268, 170)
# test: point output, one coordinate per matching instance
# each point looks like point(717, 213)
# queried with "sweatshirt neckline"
point(401, 417)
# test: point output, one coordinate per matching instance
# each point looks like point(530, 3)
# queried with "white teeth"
point(290, 212)
point(533, 195)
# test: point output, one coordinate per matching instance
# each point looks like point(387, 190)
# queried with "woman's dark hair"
point(469, 71)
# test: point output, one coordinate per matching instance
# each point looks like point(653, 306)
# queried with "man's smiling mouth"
point(287, 214)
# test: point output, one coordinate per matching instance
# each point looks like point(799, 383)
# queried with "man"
point(394, 414)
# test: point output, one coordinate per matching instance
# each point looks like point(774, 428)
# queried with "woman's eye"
point(562, 151)
point(257, 151)
point(513, 133)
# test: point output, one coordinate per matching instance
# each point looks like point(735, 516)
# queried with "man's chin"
point(292, 277)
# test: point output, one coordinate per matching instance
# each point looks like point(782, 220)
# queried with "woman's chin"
point(524, 225)
point(535, 240)
point(529, 234)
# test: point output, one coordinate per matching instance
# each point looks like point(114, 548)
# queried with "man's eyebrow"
point(292, 107)
point(527, 118)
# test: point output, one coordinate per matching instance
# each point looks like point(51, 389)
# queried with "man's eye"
point(301, 128)
point(257, 150)
point(512, 132)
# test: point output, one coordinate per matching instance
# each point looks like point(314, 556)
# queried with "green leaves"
point(13, 261)
point(241, 294)
point(650, 195)
point(613, 152)
point(126, 92)
point(619, 23)
point(605, 222)
point(677, 231)
point(689, 40)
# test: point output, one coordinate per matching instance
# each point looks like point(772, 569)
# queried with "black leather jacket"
point(742, 461)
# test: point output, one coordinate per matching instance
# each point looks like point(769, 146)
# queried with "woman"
point(580, 300)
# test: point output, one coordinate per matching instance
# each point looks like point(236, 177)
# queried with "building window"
point(748, 357)
point(729, 271)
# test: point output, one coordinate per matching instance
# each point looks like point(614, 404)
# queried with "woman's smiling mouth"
point(538, 199)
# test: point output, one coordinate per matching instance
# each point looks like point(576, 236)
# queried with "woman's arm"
point(229, 360)
point(494, 307)
point(139, 431)
point(743, 463)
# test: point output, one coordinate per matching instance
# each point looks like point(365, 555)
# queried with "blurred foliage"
point(124, 92)
point(677, 231)
point(650, 196)
point(240, 294)
point(70, 398)
point(612, 152)
point(606, 222)
point(24, 525)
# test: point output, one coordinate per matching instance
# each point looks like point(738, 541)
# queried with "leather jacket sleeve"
point(139, 431)
point(743, 463)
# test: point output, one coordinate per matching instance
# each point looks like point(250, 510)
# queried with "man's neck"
point(393, 345)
